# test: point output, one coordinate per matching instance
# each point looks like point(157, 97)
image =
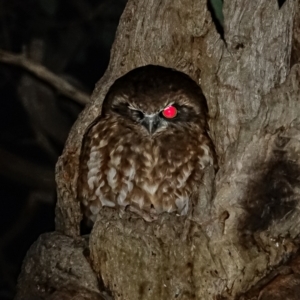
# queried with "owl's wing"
point(93, 159)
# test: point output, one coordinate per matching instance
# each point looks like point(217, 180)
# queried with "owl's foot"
point(147, 216)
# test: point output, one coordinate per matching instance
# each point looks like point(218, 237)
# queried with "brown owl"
point(147, 150)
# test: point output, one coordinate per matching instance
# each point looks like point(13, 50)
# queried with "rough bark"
point(246, 226)
point(56, 268)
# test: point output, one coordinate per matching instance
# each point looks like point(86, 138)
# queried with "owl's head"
point(155, 98)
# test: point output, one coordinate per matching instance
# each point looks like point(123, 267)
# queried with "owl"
point(148, 149)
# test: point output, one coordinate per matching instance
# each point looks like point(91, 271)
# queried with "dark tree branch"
point(43, 73)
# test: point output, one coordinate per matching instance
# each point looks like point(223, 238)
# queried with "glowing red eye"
point(170, 112)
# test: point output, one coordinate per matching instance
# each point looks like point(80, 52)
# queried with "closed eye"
point(137, 115)
point(126, 110)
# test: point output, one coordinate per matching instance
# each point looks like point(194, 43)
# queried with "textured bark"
point(55, 267)
point(246, 225)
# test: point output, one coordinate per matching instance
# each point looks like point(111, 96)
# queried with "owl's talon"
point(148, 217)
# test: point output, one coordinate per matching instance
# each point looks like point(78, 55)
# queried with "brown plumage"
point(139, 156)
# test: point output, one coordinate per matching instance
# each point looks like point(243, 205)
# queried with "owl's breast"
point(159, 174)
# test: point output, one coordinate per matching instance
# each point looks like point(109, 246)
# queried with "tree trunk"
point(245, 230)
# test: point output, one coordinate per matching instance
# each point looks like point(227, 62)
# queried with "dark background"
point(72, 38)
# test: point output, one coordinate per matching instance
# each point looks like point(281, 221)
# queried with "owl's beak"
point(151, 123)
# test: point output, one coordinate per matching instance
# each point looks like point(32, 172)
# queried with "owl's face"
point(152, 103)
